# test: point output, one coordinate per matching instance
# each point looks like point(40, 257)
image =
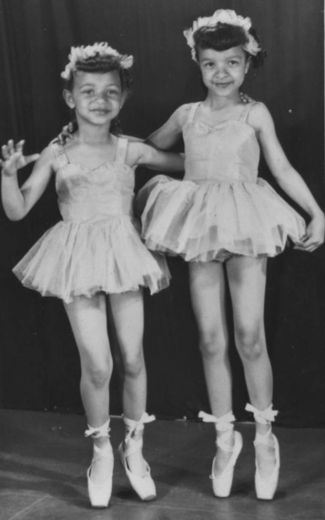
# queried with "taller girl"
point(223, 220)
point(95, 251)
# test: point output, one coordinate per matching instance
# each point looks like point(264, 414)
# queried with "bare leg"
point(87, 317)
point(207, 285)
point(127, 310)
point(247, 278)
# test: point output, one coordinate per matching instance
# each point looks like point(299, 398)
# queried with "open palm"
point(13, 158)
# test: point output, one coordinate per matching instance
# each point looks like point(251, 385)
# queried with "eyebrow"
point(94, 84)
point(228, 57)
point(234, 56)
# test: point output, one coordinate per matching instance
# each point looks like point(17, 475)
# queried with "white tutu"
point(212, 220)
point(82, 258)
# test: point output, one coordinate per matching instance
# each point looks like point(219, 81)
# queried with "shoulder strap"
point(59, 154)
point(121, 150)
point(246, 110)
point(192, 111)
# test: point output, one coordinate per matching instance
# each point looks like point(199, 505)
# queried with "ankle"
point(223, 423)
point(263, 431)
point(225, 439)
point(225, 435)
point(101, 443)
point(133, 439)
point(263, 423)
point(100, 436)
point(263, 418)
point(96, 432)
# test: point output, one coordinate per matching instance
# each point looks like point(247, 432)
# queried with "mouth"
point(222, 85)
point(100, 111)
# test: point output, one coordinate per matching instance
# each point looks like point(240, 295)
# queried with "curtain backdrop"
point(39, 362)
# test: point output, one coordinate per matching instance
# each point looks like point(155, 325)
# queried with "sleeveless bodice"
point(90, 194)
point(96, 247)
point(221, 208)
point(226, 152)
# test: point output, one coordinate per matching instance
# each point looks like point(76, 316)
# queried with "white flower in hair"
point(84, 52)
point(227, 16)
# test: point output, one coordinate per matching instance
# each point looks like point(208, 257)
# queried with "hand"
point(13, 158)
point(245, 98)
point(314, 236)
point(66, 134)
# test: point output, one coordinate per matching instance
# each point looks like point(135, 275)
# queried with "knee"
point(133, 364)
point(98, 375)
point(212, 344)
point(250, 343)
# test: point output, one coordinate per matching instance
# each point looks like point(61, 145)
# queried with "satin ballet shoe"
point(265, 487)
point(222, 483)
point(143, 485)
point(100, 492)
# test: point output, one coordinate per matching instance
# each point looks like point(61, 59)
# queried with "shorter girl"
point(226, 222)
point(95, 251)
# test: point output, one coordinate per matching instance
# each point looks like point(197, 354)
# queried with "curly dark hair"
point(223, 36)
point(102, 64)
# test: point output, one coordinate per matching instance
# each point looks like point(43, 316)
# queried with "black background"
point(39, 361)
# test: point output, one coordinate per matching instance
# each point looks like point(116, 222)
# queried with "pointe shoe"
point(266, 487)
point(222, 483)
point(143, 485)
point(100, 492)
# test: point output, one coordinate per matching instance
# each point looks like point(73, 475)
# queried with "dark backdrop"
point(39, 362)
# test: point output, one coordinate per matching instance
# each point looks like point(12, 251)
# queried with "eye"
point(113, 92)
point(233, 63)
point(208, 65)
point(88, 91)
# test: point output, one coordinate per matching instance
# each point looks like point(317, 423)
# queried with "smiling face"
point(223, 72)
point(96, 97)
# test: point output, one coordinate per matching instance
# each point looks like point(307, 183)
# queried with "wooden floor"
point(43, 460)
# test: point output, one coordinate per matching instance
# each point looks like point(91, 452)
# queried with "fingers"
point(10, 148)
point(65, 134)
point(20, 146)
point(5, 152)
point(13, 157)
point(309, 245)
point(31, 158)
point(309, 249)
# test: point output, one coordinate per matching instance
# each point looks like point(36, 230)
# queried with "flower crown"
point(83, 53)
point(227, 16)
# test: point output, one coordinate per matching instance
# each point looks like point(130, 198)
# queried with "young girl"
point(224, 220)
point(95, 251)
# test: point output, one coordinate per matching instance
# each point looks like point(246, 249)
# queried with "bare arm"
point(286, 176)
point(17, 201)
point(169, 133)
point(143, 154)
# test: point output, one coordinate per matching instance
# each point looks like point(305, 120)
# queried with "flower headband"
point(226, 16)
point(83, 53)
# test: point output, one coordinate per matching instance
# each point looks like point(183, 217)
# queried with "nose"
point(102, 96)
point(220, 71)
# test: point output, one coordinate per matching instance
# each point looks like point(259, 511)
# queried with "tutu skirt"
point(82, 258)
point(214, 220)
